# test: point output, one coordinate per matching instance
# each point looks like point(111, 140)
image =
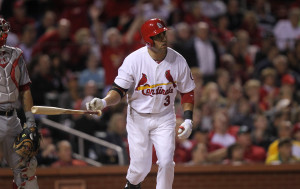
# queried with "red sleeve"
point(24, 87)
point(187, 97)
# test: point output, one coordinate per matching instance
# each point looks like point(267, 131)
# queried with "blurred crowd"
point(244, 56)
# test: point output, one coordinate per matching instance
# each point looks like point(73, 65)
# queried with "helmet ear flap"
point(150, 43)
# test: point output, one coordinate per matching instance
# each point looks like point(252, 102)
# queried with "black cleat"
point(132, 186)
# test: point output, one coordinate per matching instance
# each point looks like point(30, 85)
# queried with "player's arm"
point(26, 99)
point(114, 96)
point(188, 107)
point(27, 103)
point(187, 103)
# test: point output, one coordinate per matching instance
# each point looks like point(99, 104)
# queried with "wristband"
point(188, 114)
point(118, 89)
point(104, 103)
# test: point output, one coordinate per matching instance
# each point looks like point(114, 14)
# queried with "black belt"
point(7, 113)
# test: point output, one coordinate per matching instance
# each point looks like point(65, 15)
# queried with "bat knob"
point(99, 112)
point(33, 109)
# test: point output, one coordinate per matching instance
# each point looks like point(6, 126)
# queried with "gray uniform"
point(13, 78)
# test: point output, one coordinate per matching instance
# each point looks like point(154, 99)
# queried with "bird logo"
point(170, 78)
point(142, 81)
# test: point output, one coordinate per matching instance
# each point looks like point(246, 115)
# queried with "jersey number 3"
point(167, 99)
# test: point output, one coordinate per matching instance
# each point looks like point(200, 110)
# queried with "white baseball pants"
point(145, 130)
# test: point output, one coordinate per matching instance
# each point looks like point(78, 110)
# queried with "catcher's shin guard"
point(132, 186)
point(30, 184)
point(28, 174)
point(27, 178)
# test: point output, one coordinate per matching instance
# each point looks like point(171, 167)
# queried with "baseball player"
point(151, 77)
point(14, 83)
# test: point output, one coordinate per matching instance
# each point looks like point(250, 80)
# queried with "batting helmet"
point(151, 28)
point(4, 29)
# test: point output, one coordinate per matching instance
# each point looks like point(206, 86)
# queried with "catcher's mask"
point(4, 29)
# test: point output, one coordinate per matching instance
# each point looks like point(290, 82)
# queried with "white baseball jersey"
point(152, 86)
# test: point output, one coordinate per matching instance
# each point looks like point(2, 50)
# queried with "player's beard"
point(160, 48)
point(158, 52)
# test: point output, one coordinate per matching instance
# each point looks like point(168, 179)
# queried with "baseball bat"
point(49, 110)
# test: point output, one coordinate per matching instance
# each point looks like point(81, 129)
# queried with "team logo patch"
point(159, 25)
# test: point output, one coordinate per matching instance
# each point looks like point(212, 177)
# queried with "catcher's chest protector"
point(9, 74)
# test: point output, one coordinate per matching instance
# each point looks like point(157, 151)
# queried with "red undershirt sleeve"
point(187, 97)
point(24, 87)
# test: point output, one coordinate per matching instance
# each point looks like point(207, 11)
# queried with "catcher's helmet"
point(4, 29)
point(151, 28)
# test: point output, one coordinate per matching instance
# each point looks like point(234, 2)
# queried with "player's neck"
point(157, 55)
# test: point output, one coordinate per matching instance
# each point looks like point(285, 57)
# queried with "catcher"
point(19, 144)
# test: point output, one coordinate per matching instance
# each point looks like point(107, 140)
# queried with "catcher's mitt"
point(27, 142)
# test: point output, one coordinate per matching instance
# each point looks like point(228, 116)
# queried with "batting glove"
point(96, 104)
point(185, 129)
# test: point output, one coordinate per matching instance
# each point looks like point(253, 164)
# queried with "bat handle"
point(97, 112)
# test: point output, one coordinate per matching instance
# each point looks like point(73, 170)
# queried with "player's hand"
point(30, 121)
point(30, 124)
point(185, 129)
point(96, 104)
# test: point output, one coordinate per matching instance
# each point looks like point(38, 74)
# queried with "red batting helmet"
point(4, 29)
point(151, 28)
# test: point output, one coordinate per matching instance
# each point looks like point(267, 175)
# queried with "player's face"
point(160, 41)
point(4, 29)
